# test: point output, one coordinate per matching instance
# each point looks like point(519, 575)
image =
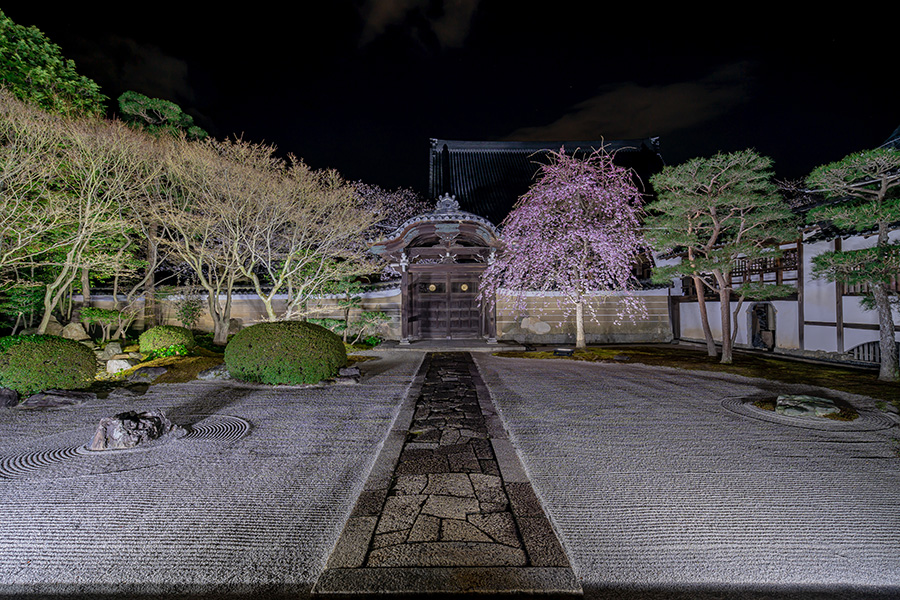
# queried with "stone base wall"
point(248, 309)
point(542, 321)
point(546, 321)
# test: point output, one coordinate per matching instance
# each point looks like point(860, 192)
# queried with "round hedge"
point(286, 352)
point(165, 336)
point(34, 363)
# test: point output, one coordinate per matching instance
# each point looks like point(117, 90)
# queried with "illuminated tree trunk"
point(579, 324)
point(704, 316)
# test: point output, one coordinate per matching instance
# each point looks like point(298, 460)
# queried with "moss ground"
point(181, 369)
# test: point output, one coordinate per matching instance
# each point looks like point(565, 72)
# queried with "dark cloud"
point(629, 110)
point(449, 22)
point(144, 68)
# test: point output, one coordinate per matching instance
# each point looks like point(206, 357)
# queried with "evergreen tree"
point(34, 69)
point(158, 116)
point(865, 188)
point(716, 211)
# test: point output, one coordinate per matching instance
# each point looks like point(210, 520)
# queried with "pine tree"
point(865, 188)
point(716, 211)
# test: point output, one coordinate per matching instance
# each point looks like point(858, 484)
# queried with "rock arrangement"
point(800, 405)
point(130, 429)
point(116, 359)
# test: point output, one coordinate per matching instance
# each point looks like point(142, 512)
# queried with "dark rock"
point(799, 405)
point(8, 397)
point(234, 326)
point(74, 331)
point(217, 372)
point(125, 393)
point(341, 380)
point(146, 374)
point(349, 372)
point(621, 357)
point(111, 350)
point(130, 429)
point(53, 398)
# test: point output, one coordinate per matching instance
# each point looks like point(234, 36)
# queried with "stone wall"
point(542, 322)
point(248, 309)
point(545, 321)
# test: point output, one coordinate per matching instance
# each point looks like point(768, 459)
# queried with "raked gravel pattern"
point(224, 509)
point(653, 484)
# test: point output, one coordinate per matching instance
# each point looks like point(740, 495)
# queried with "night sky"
point(360, 86)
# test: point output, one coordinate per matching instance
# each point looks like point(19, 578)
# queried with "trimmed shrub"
point(159, 339)
point(34, 363)
point(286, 352)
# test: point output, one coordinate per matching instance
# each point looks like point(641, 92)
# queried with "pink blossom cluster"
point(576, 231)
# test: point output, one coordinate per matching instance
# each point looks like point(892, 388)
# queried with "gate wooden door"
point(444, 305)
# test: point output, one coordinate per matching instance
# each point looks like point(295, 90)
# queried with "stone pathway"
point(457, 513)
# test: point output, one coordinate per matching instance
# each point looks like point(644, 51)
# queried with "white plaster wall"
point(855, 313)
point(786, 325)
point(819, 301)
point(818, 294)
point(816, 337)
point(544, 320)
point(690, 320)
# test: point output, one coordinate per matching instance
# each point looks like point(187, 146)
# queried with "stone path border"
point(448, 507)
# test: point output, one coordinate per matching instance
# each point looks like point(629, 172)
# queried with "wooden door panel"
point(444, 305)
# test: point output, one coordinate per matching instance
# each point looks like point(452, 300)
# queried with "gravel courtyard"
point(221, 511)
point(662, 483)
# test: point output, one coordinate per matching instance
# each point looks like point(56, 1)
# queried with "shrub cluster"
point(286, 352)
point(159, 341)
point(34, 363)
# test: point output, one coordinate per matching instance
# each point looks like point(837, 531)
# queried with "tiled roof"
point(488, 177)
point(893, 141)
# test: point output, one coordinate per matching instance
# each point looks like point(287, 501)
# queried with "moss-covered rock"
point(286, 352)
point(34, 363)
point(163, 337)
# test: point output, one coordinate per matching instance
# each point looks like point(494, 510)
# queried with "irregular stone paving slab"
point(453, 510)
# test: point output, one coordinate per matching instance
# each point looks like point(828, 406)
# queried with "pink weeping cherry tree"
point(575, 233)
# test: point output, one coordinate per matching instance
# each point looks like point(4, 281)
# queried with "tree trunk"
point(704, 316)
point(53, 294)
point(346, 318)
point(890, 369)
point(725, 310)
point(735, 324)
point(86, 286)
point(221, 316)
point(579, 325)
point(150, 319)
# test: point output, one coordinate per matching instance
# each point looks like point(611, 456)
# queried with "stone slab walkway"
point(449, 508)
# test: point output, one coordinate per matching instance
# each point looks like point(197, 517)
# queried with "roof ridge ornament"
point(447, 204)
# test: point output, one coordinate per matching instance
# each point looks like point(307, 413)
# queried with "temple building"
point(440, 255)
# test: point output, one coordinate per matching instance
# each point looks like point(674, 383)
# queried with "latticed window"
point(777, 270)
point(864, 289)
